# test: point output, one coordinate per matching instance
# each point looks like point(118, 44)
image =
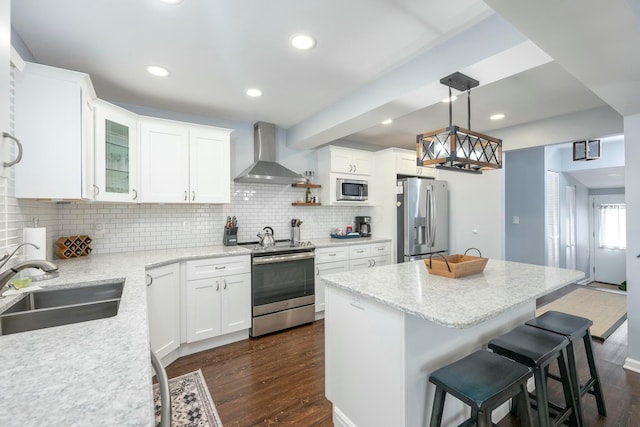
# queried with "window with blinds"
point(553, 218)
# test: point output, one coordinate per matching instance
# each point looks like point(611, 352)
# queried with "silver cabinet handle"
point(220, 268)
point(225, 283)
point(332, 254)
point(369, 262)
point(149, 279)
point(355, 167)
point(185, 194)
point(193, 195)
point(374, 262)
point(96, 190)
point(165, 396)
point(135, 194)
point(19, 156)
point(217, 285)
point(317, 271)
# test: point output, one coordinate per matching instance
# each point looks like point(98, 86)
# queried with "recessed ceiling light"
point(254, 92)
point(171, 1)
point(157, 71)
point(613, 175)
point(303, 41)
point(499, 116)
point(446, 100)
point(387, 122)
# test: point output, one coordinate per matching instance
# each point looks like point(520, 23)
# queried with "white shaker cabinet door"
point(210, 174)
point(321, 270)
point(235, 308)
point(164, 162)
point(163, 308)
point(203, 308)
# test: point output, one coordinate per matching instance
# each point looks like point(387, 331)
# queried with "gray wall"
point(524, 198)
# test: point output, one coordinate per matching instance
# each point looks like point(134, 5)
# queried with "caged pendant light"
point(456, 148)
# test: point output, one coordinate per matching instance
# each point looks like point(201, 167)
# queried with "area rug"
point(607, 310)
point(191, 403)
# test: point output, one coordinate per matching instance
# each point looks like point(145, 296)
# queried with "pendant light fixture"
point(456, 148)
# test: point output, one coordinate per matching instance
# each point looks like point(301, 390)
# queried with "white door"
point(235, 307)
point(210, 174)
point(609, 238)
point(203, 308)
point(163, 307)
point(164, 162)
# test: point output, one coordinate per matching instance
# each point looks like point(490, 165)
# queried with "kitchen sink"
point(56, 307)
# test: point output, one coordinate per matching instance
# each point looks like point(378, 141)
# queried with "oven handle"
point(282, 258)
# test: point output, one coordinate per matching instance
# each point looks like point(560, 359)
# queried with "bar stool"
point(538, 349)
point(483, 380)
point(574, 328)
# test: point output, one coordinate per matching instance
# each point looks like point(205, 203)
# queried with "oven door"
point(280, 282)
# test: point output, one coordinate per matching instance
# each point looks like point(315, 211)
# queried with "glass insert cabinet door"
point(116, 162)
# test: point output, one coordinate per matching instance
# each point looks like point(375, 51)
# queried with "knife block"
point(230, 236)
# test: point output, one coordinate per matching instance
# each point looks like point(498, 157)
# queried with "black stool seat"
point(575, 328)
point(538, 349)
point(483, 380)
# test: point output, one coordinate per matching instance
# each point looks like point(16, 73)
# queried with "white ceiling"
point(612, 177)
point(374, 59)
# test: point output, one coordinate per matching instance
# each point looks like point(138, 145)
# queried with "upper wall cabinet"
point(116, 162)
point(345, 160)
point(54, 121)
point(406, 165)
point(184, 163)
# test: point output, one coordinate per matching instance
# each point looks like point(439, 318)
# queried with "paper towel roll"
point(37, 236)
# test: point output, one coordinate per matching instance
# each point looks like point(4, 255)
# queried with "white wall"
point(476, 212)
point(632, 199)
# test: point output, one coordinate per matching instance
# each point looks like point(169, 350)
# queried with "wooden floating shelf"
point(306, 185)
point(305, 204)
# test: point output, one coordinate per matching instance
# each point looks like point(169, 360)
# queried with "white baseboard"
point(632, 365)
point(340, 419)
point(319, 315)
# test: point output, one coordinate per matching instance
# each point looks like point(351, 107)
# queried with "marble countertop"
point(89, 373)
point(329, 242)
point(456, 303)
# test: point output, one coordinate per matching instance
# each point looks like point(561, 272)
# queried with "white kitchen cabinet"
point(327, 261)
point(116, 162)
point(54, 120)
point(163, 308)
point(218, 302)
point(338, 259)
point(345, 160)
point(183, 162)
point(5, 54)
point(343, 163)
point(406, 165)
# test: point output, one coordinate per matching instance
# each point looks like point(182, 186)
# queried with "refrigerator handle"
point(432, 217)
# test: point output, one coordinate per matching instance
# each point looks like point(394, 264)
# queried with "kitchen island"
point(95, 373)
point(388, 328)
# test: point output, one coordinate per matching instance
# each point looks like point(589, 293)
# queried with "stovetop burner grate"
point(281, 246)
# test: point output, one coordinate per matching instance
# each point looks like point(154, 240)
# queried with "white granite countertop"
point(95, 373)
point(329, 242)
point(456, 303)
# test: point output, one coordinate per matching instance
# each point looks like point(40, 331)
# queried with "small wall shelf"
point(306, 186)
point(305, 204)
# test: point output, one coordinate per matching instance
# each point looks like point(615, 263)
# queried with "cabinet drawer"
point(332, 254)
point(332, 267)
point(215, 267)
point(378, 249)
point(359, 251)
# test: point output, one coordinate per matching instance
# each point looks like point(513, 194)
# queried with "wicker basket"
point(456, 265)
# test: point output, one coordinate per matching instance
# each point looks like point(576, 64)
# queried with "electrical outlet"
point(98, 228)
point(516, 219)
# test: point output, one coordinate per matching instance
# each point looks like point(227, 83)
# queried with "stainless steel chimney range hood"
point(265, 169)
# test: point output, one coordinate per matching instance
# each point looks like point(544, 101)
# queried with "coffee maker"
point(363, 225)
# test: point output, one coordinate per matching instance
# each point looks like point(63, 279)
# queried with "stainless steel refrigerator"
point(423, 218)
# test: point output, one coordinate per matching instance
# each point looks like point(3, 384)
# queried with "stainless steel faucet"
point(41, 264)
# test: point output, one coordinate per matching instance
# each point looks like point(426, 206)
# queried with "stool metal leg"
point(438, 407)
point(483, 418)
point(597, 388)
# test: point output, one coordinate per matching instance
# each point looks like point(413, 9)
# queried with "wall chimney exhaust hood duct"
point(265, 170)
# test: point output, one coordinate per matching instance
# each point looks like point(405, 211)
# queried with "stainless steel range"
point(282, 286)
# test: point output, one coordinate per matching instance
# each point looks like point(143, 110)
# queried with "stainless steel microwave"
point(352, 189)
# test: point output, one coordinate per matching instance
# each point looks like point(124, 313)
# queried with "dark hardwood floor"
point(278, 379)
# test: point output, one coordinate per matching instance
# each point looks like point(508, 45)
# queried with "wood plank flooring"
point(278, 379)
